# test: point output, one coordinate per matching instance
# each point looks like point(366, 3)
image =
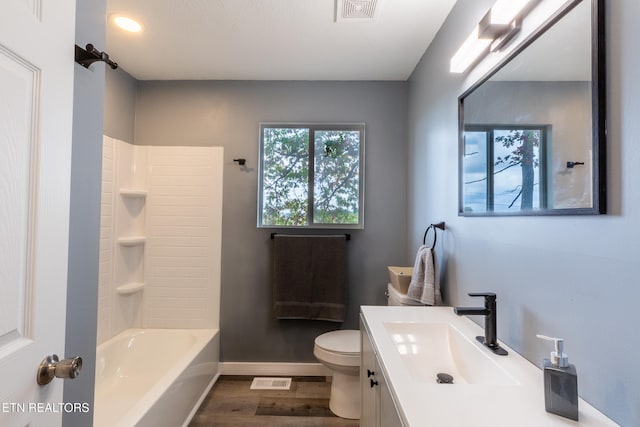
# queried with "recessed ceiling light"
point(127, 24)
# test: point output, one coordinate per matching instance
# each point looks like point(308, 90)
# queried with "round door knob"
point(52, 367)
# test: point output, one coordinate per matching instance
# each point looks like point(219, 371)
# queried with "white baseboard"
point(274, 369)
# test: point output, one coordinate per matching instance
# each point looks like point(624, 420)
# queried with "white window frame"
point(312, 128)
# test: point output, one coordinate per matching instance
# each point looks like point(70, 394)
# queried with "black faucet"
point(490, 313)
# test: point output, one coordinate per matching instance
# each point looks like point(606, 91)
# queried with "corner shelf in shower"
point(133, 193)
point(132, 240)
point(130, 288)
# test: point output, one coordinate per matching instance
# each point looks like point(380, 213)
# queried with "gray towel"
point(425, 284)
point(309, 277)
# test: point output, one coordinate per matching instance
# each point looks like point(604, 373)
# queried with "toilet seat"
point(339, 347)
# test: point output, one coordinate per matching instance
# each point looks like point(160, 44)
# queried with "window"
point(504, 168)
point(311, 176)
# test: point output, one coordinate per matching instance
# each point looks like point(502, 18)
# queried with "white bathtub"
point(154, 377)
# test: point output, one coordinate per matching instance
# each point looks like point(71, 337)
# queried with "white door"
point(36, 91)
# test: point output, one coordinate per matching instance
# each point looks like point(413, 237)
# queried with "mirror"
point(532, 131)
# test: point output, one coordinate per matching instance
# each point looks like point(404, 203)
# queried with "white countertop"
point(423, 403)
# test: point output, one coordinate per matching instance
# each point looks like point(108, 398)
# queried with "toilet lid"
point(344, 341)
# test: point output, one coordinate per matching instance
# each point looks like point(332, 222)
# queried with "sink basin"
point(428, 349)
point(400, 278)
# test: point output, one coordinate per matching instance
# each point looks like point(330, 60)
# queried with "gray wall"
point(86, 164)
point(120, 105)
point(228, 114)
point(573, 277)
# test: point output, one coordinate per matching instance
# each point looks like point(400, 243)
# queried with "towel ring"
point(435, 236)
point(433, 227)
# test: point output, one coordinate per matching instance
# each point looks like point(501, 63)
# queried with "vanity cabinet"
point(369, 396)
point(377, 406)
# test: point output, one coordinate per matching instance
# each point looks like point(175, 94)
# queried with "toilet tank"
point(397, 298)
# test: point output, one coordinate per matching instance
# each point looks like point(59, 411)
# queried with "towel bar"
point(347, 236)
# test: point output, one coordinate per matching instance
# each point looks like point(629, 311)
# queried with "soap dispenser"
point(560, 382)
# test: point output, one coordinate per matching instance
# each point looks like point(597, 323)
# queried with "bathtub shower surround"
point(160, 255)
point(160, 241)
point(122, 237)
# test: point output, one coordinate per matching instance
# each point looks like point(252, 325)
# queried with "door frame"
point(84, 238)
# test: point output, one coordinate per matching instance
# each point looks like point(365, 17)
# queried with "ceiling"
point(271, 39)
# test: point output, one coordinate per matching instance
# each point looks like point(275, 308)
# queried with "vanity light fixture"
point(503, 12)
point(498, 26)
point(127, 24)
point(470, 51)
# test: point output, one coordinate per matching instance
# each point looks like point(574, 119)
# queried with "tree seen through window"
point(504, 168)
point(311, 175)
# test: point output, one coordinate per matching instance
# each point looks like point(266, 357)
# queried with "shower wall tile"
point(181, 219)
point(182, 260)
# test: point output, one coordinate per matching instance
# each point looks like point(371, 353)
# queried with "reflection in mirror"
point(503, 168)
point(528, 141)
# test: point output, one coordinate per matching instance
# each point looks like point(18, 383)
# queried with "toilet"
point(340, 352)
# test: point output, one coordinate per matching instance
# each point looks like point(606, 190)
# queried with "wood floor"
point(231, 403)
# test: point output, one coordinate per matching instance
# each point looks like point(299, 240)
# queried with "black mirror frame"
point(598, 112)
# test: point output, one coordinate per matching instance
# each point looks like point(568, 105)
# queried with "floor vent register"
point(265, 383)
